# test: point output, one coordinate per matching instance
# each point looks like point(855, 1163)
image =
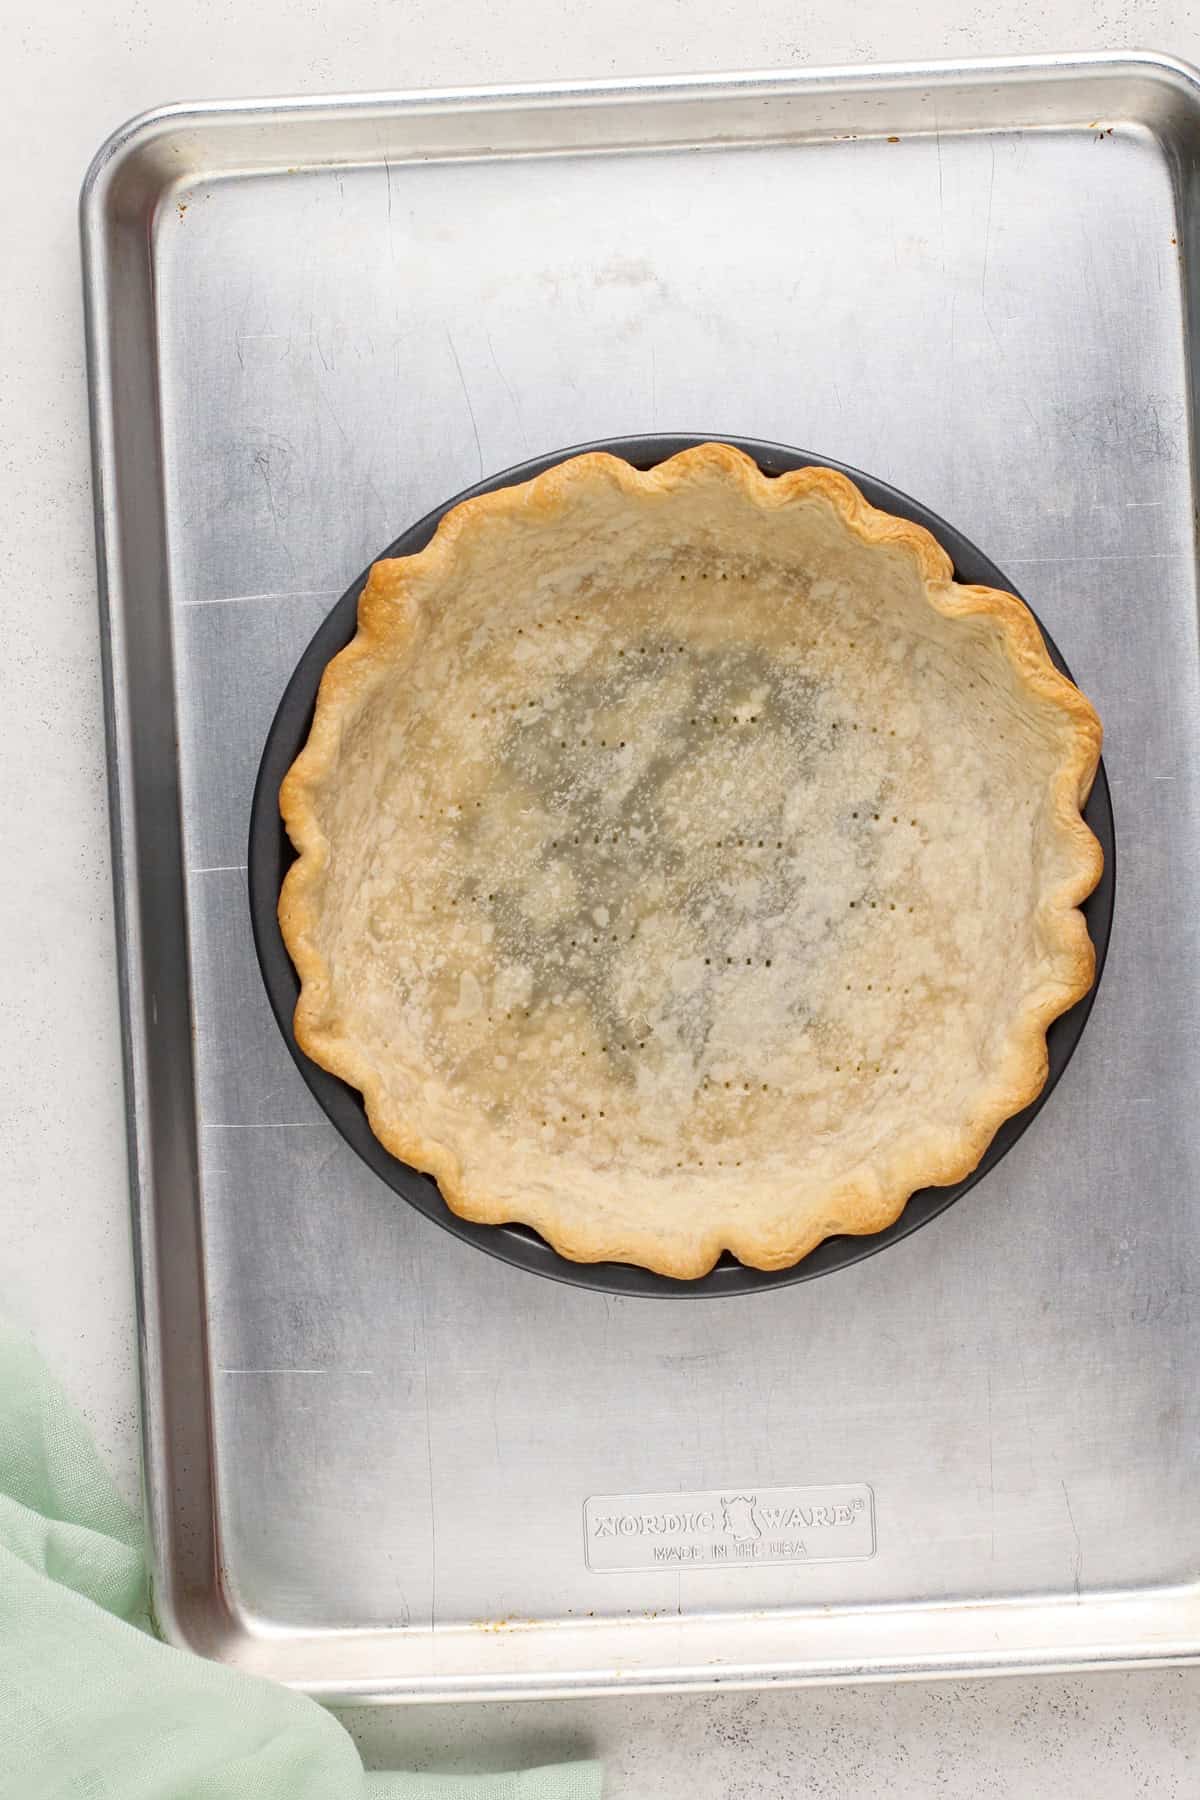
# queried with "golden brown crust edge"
point(876, 1199)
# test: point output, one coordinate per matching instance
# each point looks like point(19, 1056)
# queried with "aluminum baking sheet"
point(380, 1464)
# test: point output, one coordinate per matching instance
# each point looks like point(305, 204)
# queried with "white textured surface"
point(68, 74)
point(1112, 1738)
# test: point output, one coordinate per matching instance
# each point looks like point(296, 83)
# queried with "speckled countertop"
point(69, 74)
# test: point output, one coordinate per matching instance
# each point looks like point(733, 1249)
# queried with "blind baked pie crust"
point(686, 862)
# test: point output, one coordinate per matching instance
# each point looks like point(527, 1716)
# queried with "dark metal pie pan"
point(270, 853)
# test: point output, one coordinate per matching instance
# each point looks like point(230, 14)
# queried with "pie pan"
point(270, 853)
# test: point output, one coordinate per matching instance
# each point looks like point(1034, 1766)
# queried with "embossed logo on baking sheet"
point(728, 1527)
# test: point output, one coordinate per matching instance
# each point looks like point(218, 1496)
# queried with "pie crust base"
point(686, 862)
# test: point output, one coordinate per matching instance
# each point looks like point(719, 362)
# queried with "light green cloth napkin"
point(92, 1707)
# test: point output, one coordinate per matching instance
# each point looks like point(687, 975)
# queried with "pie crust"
point(686, 862)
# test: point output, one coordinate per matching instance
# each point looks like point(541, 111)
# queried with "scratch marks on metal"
point(987, 247)
point(422, 1289)
point(261, 1125)
point(937, 138)
point(507, 385)
point(282, 1371)
point(243, 599)
point(991, 1452)
point(467, 397)
point(1077, 1563)
point(1087, 557)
